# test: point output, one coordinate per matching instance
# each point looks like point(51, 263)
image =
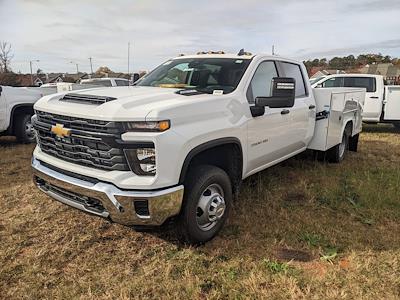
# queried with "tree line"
point(351, 61)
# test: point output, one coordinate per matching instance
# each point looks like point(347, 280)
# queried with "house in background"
point(390, 72)
point(321, 73)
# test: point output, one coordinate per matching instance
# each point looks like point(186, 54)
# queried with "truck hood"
point(131, 103)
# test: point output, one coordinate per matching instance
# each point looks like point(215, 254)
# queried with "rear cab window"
point(369, 83)
point(294, 71)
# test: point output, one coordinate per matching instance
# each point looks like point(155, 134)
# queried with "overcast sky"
point(57, 32)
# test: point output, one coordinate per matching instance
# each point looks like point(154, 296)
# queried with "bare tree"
point(5, 57)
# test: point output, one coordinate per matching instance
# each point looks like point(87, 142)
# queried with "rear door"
point(373, 97)
point(300, 119)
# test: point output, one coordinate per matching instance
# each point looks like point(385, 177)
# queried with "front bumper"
point(126, 207)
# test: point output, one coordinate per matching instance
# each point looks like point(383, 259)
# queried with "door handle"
point(374, 97)
point(312, 106)
point(285, 112)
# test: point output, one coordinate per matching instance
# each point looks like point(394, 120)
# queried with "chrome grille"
point(92, 143)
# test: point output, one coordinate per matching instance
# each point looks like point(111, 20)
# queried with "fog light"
point(142, 161)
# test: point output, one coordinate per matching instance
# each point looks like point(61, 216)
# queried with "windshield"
point(201, 74)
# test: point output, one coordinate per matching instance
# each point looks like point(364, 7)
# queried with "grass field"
point(302, 229)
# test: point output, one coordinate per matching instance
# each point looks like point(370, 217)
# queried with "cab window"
point(333, 82)
point(294, 71)
point(120, 82)
point(260, 85)
point(368, 83)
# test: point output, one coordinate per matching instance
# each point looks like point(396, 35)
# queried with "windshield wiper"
point(192, 91)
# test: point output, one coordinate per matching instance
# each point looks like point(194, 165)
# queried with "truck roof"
point(236, 56)
point(216, 55)
point(353, 75)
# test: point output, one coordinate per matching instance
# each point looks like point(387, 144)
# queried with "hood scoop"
point(87, 99)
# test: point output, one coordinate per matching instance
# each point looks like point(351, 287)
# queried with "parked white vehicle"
point(106, 81)
point(314, 80)
point(382, 103)
point(16, 109)
point(178, 144)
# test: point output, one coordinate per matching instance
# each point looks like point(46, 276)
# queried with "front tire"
point(24, 129)
point(207, 202)
point(396, 125)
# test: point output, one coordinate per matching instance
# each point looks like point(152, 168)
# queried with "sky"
point(58, 32)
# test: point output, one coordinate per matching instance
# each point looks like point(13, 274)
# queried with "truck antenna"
point(241, 52)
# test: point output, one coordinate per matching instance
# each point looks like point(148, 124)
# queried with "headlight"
point(148, 126)
point(142, 161)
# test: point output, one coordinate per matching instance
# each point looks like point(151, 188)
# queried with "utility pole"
point(77, 67)
point(30, 65)
point(129, 47)
point(91, 66)
point(273, 49)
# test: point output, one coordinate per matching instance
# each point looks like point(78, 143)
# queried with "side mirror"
point(319, 85)
point(135, 77)
point(283, 93)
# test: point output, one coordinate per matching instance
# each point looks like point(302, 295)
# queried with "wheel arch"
point(225, 153)
point(349, 124)
point(17, 110)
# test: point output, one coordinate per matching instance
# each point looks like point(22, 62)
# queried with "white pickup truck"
point(16, 110)
point(178, 143)
point(382, 103)
point(106, 81)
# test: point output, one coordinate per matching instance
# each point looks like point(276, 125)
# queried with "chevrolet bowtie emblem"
point(60, 131)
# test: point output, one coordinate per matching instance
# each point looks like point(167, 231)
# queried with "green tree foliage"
point(350, 61)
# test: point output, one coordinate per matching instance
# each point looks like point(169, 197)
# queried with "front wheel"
point(396, 124)
point(24, 130)
point(207, 201)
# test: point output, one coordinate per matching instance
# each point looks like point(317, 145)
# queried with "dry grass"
point(302, 229)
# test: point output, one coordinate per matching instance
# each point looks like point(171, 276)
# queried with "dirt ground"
point(302, 229)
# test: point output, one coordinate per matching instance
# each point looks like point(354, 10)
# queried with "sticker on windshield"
point(218, 92)
point(238, 61)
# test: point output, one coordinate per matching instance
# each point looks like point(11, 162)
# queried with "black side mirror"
point(283, 93)
point(135, 77)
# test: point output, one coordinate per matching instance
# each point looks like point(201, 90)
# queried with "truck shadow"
point(311, 206)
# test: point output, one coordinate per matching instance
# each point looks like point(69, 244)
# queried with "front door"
point(268, 135)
